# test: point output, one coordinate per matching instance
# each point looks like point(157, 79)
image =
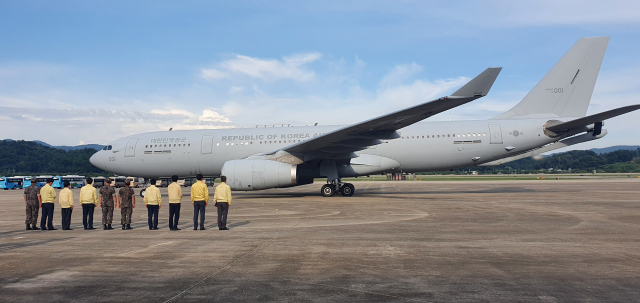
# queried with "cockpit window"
point(108, 147)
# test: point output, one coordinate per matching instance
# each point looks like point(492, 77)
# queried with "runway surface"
point(397, 241)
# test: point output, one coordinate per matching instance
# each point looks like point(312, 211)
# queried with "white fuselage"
point(425, 146)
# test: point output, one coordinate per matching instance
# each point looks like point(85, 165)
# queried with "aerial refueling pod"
point(261, 174)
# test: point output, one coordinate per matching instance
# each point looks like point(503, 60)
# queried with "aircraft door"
point(207, 144)
point(130, 151)
point(495, 133)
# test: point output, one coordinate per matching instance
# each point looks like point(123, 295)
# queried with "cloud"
point(235, 90)
point(400, 74)
point(96, 125)
point(212, 74)
point(291, 67)
point(211, 116)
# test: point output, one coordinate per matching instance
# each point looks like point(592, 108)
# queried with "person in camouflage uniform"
point(32, 202)
point(107, 194)
point(126, 203)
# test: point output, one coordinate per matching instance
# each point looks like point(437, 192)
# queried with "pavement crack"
point(236, 260)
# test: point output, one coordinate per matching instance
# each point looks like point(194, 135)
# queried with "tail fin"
point(565, 91)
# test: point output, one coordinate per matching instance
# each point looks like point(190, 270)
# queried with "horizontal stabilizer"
point(480, 85)
point(588, 120)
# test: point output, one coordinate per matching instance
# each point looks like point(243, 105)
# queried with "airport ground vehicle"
point(26, 181)
point(10, 183)
point(74, 180)
point(42, 181)
point(135, 182)
point(118, 181)
point(99, 182)
point(185, 182)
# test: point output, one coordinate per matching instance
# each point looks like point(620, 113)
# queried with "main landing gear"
point(345, 189)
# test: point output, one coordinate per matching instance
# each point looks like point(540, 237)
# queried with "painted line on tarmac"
point(357, 290)
point(236, 261)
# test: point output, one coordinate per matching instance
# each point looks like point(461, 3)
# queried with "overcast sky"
point(100, 70)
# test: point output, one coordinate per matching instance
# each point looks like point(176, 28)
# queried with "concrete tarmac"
point(397, 241)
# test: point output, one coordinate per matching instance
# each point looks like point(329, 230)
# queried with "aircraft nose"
point(95, 160)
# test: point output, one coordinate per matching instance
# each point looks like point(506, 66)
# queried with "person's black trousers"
point(223, 210)
point(199, 208)
point(174, 215)
point(66, 217)
point(46, 222)
point(153, 216)
point(87, 215)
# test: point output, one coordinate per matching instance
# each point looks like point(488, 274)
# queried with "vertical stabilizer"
point(565, 91)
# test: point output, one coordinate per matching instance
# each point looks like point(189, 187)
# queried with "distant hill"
point(68, 148)
point(80, 147)
point(614, 148)
point(35, 158)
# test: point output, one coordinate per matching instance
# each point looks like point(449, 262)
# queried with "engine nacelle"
point(259, 174)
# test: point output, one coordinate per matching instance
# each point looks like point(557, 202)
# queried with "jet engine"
point(261, 174)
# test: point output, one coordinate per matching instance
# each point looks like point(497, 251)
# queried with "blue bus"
point(11, 182)
point(26, 181)
point(74, 180)
point(42, 181)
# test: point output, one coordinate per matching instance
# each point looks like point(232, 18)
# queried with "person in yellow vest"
point(89, 201)
point(66, 205)
point(222, 200)
point(175, 197)
point(200, 200)
point(48, 195)
point(153, 201)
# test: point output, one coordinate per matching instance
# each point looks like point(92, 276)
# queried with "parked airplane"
point(551, 116)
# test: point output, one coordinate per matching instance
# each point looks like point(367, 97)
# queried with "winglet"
point(480, 85)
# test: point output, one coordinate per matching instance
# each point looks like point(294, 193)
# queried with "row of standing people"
point(36, 198)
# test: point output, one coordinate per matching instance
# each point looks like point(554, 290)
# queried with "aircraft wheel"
point(347, 190)
point(328, 190)
point(142, 192)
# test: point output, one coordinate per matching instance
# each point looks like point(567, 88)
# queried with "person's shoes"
point(123, 226)
point(52, 228)
point(195, 228)
point(42, 228)
point(202, 228)
point(109, 226)
point(69, 228)
point(104, 226)
point(155, 228)
point(129, 226)
point(170, 228)
point(86, 228)
point(33, 227)
point(91, 227)
point(175, 228)
point(224, 228)
point(29, 227)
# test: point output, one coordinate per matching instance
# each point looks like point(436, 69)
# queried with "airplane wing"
point(368, 133)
